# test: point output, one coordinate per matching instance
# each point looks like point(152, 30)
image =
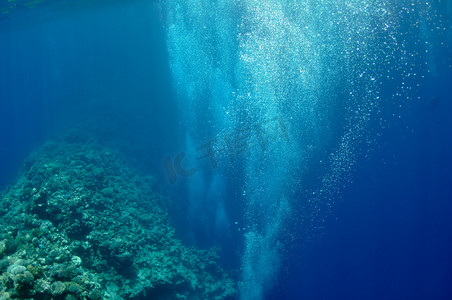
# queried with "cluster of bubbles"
point(318, 65)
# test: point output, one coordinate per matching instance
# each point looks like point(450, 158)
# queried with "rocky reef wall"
point(79, 223)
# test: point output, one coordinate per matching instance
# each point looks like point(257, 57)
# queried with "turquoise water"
point(309, 140)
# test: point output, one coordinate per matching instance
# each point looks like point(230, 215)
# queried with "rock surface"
point(80, 224)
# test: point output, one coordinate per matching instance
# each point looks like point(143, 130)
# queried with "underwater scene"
point(252, 150)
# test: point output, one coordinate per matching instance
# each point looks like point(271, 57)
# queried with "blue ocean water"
point(310, 140)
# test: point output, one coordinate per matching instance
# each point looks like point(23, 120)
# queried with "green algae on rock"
point(80, 224)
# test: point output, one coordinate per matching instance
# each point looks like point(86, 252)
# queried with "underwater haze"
point(272, 149)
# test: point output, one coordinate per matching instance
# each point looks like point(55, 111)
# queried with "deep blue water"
point(345, 191)
point(390, 234)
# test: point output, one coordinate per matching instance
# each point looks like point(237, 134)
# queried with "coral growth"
point(80, 224)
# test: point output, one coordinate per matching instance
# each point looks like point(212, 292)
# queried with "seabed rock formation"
point(80, 224)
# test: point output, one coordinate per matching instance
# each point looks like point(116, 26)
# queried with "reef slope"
point(79, 223)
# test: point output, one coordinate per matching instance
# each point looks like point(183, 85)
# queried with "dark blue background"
point(106, 63)
point(390, 233)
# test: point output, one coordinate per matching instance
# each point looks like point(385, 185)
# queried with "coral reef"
point(79, 223)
